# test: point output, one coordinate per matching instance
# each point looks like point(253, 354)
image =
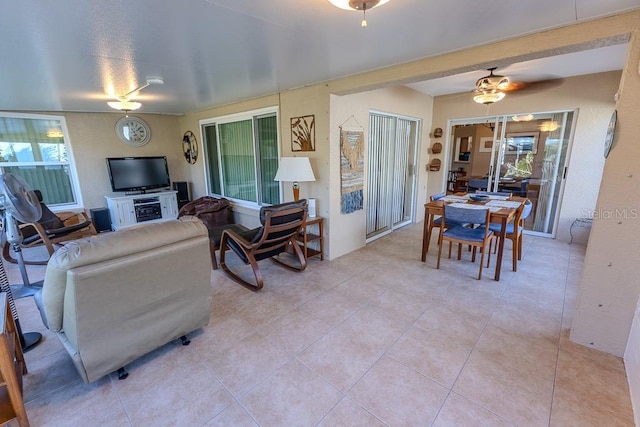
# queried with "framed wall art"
point(486, 144)
point(303, 133)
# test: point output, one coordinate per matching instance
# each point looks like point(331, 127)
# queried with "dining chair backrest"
point(478, 183)
point(494, 193)
point(437, 197)
point(466, 215)
point(528, 206)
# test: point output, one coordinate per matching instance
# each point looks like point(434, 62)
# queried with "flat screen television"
point(138, 174)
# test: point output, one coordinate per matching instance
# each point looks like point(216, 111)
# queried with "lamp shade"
point(294, 169)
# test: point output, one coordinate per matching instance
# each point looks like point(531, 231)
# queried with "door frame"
point(495, 153)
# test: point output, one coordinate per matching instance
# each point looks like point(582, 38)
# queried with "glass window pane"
point(237, 155)
point(53, 181)
point(267, 132)
point(211, 143)
point(38, 140)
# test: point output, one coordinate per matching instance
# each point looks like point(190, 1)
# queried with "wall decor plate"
point(190, 147)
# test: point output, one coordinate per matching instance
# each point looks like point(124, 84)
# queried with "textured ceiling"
point(74, 55)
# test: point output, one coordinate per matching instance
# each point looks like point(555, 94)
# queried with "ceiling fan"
point(125, 103)
point(493, 87)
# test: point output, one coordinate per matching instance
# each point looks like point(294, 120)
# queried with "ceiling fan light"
point(124, 105)
point(488, 97)
point(357, 4)
point(523, 118)
point(548, 126)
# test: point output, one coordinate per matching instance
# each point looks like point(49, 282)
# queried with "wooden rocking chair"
point(280, 226)
point(50, 230)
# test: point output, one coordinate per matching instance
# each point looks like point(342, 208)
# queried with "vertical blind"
point(242, 158)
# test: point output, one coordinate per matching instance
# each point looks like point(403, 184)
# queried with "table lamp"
point(294, 169)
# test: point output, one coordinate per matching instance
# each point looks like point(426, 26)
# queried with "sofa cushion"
point(105, 247)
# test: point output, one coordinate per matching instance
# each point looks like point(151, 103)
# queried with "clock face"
point(133, 131)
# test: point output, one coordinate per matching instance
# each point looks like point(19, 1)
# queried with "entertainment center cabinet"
point(127, 211)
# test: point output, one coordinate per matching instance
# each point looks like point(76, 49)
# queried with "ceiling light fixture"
point(489, 89)
point(488, 96)
point(124, 102)
point(523, 118)
point(549, 126)
point(362, 5)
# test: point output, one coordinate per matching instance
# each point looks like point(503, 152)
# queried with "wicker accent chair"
point(281, 224)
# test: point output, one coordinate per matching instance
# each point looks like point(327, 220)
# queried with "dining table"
point(502, 211)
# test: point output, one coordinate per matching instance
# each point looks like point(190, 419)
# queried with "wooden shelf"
point(305, 237)
point(12, 367)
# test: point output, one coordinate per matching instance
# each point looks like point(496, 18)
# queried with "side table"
point(315, 235)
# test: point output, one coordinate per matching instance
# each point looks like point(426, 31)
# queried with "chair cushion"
point(438, 220)
point(464, 233)
point(497, 227)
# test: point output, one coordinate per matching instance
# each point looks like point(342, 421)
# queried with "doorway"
point(391, 177)
point(524, 154)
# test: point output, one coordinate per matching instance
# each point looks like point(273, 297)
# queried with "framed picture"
point(303, 133)
point(462, 152)
point(486, 145)
point(522, 142)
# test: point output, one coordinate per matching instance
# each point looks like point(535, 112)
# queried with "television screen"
point(138, 173)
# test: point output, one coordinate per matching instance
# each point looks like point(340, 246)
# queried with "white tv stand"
point(130, 210)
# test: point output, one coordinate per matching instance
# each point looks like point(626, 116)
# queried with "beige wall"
point(93, 138)
point(610, 283)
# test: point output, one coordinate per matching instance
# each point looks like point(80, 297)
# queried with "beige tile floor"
point(373, 338)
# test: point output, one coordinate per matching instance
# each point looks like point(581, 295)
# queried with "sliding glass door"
point(391, 175)
point(524, 154)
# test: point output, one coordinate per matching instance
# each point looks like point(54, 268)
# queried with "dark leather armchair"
point(280, 226)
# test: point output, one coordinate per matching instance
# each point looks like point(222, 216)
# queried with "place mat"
point(504, 204)
point(452, 198)
point(494, 197)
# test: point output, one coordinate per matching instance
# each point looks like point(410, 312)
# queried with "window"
point(36, 148)
point(241, 152)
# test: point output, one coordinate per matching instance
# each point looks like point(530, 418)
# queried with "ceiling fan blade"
point(535, 86)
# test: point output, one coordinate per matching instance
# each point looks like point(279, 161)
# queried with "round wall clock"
point(611, 132)
point(190, 147)
point(133, 131)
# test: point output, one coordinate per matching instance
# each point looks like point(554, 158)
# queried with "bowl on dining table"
point(479, 197)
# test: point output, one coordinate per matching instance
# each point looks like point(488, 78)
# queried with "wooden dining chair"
point(514, 231)
point(435, 222)
point(475, 237)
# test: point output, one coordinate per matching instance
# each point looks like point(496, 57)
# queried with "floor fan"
point(18, 202)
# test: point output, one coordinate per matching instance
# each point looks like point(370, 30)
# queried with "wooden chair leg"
point(514, 254)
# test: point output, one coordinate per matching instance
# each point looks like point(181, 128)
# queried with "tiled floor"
point(373, 338)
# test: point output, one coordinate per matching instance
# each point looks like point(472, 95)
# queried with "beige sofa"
point(118, 296)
